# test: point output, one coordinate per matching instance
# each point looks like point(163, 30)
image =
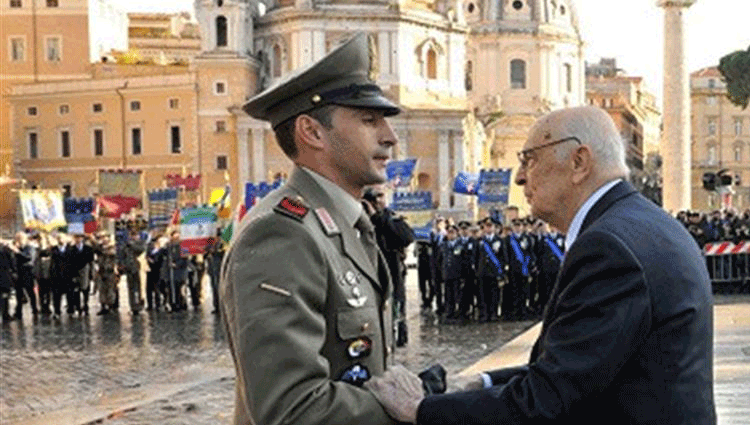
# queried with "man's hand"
point(399, 391)
point(458, 383)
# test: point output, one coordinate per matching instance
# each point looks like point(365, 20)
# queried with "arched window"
point(517, 74)
point(276, 61)
point(431, 64)
point(424, 181)
point(221, 31)
point(468, 81)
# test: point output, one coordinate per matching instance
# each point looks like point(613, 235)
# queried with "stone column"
point(675, 142)
point(243, 160)
point(459, 165)
point(259, 150)
point(444, 168)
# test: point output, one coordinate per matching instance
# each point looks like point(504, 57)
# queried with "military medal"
point(356, 375)
point(360, 347)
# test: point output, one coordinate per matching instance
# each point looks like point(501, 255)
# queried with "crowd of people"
point(43, 269)
point(487, 271)
point(717, 225)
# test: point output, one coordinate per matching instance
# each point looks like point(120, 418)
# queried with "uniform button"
point(365, 327)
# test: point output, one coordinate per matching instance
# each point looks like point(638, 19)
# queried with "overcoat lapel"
point(351, 246)
point(617, 192)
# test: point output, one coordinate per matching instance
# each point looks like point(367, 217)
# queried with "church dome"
point(522, 16)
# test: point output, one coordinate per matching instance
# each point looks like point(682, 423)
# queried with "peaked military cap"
point(342, 77)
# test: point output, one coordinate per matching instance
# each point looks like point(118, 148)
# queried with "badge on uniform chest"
point(350, 282)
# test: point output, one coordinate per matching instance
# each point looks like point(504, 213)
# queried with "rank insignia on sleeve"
point(291, 208)
point(327, 222)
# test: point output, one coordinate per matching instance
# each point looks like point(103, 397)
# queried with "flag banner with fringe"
point(42, 209)
point(493, 187)
point(161, 205)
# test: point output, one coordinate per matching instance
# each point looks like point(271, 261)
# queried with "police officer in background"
point(304, 293)
point(468, 290)
point(490, 265)
point(452, 258)
point(550, 252)
point(437, 235)
point(520, 262)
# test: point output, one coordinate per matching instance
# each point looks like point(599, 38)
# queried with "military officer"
point(549, 254)
point(305, 290)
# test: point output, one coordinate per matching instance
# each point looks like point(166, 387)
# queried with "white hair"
point(594, 128)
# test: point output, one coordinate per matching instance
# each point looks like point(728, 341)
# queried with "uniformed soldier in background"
point(491, 263)
point(438, 280)
point(550, 250)
point(305, 290)
point(520, 262)
point(468, 290)
point(452, 256)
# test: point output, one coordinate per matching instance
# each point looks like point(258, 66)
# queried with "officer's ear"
point(309, 132)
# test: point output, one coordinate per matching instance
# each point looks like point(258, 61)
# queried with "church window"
point(220, 88)
point(51, 3)
point(219, 3)
point(568, 77)
point(15, 3)
point(17, 49)
point(562, 10)
point(711, 83)
point(518, 5)
point(276, 61)
point(468, 83)
point(431, 64)
point(221, 162)
point(221, 31)
point(737, 126)
point(471, 8)
point(33, 138)
point(711, 126)
point(517, 74)
point(738, 152)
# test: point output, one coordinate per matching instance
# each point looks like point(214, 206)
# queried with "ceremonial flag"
point(493, 187)
point(42, 209)
point(400, 172)
point(466, 183)
point(197, 225)
point(161, 204)
point(119, 191)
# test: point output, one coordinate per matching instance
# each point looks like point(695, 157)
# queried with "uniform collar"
point(349, 207)
point(575, 225)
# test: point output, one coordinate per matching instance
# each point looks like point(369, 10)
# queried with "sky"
point(629, 30)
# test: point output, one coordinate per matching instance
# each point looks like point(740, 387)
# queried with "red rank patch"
point(291, 209)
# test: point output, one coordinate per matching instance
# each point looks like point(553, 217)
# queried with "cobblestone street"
point(171, 368)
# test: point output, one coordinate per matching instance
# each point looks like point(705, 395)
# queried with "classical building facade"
point(471, 77)
point(630, 104)
point(163, 38)
point(720, 140)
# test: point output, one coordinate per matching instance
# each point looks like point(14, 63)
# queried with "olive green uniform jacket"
point(298, 292)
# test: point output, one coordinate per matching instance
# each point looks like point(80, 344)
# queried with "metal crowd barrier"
point(728, 266)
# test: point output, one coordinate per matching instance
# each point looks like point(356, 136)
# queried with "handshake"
point(400, 391)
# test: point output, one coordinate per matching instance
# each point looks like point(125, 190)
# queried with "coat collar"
point(617, 192)
point(316, 197)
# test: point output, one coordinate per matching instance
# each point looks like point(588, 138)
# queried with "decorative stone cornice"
point(675, 3)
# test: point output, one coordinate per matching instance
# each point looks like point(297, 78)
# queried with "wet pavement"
point(172, 368)
point(175, 368)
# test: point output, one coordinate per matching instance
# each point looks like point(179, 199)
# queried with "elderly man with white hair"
point(627, 333)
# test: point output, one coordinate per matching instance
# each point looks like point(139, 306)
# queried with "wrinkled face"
point(361, 142)
point(545, 179)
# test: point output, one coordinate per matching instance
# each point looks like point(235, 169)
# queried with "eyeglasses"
point(523, 156)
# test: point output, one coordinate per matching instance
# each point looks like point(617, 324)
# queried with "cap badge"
point(351, 278)
point(316, 98)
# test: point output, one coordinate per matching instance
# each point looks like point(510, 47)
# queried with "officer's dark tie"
point(367, 236)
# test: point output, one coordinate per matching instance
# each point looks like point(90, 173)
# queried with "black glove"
point(433, 379)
